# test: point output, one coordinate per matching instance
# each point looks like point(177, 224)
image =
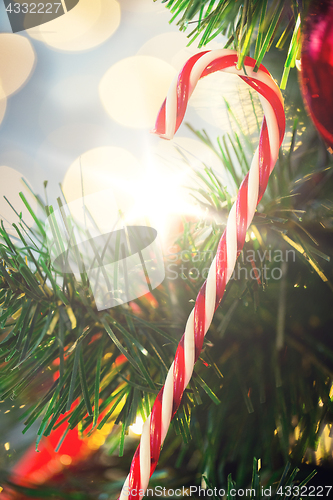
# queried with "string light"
point(136, 428)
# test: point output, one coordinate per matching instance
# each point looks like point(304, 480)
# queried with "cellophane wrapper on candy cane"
point(230, 245)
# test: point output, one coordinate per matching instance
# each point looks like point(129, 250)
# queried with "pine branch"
point(252, 27)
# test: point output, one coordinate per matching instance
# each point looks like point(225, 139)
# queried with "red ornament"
point(317, 67)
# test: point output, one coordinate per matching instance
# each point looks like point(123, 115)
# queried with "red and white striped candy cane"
point(231, 243)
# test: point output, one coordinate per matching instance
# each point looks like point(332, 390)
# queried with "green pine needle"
point(257, 29)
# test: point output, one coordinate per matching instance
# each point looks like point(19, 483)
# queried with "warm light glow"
point(10, 186)
point(96, 440)
point(107, 428)
point(183, 153)
point(159, 196)
point(87, 25)
point(133, 89)
point(16, 63)
point(7, 446)
point(137, 427)
point(175, 170)
point(325, 445)
point(39, 477)
point(65, 459)
point(142, 6)
point(297, 432)
point(3, 104)
point(153, 192)
point(54, 466)
point(101, 169)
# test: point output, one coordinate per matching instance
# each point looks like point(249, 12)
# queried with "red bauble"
point(317, 67)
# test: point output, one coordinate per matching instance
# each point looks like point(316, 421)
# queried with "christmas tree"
point(82, 368)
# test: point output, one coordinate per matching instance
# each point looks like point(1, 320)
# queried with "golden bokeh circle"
point(133, 89)
point(142, 6)
point(88, 24)
point(104, 168)
point(17, 62)
point(3, 104)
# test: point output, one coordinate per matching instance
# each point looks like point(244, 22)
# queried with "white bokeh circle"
point(142, 6)
point(103, 168)
point(17, 60)
point(3, 104)
point(88, 24)
point(182, 158)
point(133, 90)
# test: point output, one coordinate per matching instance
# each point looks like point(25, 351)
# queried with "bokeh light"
point(142, 6)
point(137, 427)
point(185, 156)
point(133, 89)
point(84, 27)
point(153, 192)
point(10, 186)
point(99, 169)
point(66, 460)
point(3, 104)
point(16, 63)
point(62, 146)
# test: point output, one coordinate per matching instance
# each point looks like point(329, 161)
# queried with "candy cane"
point(230, 245)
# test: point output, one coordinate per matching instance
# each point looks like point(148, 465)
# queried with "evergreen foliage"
point(263, 383)
point(252, 27)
